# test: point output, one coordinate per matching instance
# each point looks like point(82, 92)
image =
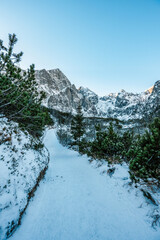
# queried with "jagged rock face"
point(152, 106)
point(64, 97)
point(61, 94)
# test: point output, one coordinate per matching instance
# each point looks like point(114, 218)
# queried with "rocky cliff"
point(65, 97)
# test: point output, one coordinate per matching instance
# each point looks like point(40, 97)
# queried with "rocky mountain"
point(65, 97)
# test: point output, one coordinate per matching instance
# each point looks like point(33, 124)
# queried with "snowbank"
point(21, 168)
point(146, 195)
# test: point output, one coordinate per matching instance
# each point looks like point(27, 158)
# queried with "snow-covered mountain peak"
point(65, 97)
point(149, 90)
point(86, 92)
point(123, 91)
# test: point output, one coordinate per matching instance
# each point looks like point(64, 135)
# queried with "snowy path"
point(75, 202)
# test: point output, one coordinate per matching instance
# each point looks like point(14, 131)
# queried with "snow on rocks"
point(21, 167)
point(64, 97)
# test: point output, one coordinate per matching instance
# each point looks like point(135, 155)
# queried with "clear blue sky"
point(106, 45)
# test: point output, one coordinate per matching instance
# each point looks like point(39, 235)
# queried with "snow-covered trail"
point(75, 202)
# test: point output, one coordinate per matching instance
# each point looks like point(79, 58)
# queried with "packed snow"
point(78, 200)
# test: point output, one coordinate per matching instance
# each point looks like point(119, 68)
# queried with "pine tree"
point(145, 153)
point(107, 143)
point(127, 140)
point(19, 97)
point(77, 126)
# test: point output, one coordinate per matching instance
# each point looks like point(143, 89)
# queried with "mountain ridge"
point(65, 97)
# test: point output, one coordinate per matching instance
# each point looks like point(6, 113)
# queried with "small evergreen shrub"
point(145, 153)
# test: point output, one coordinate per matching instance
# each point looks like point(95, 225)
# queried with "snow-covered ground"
point(76, 202)
point(20, 166)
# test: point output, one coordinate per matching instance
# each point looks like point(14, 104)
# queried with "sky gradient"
point(105, 45)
